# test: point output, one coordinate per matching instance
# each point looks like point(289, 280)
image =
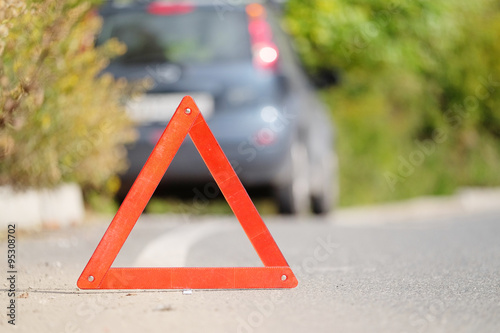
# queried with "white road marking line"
point(172, 249)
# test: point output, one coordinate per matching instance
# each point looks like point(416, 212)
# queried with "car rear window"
point(198, 37)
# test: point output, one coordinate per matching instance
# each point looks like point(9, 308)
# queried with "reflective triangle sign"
point(276, 273)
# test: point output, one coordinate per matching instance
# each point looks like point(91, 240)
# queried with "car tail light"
point(255, 10)
point(267, 56)
point(265, 137)
point(265, 52)
point(169, 8)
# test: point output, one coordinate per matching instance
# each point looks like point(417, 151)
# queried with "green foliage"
point(59, 120)
point(417, 107)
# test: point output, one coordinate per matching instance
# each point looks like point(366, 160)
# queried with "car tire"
point(324, 196)
point(294, 196)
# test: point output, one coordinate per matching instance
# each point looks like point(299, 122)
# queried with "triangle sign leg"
point(98, 273)
point(235, 195)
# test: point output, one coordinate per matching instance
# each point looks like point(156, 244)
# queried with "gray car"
point(239, 67)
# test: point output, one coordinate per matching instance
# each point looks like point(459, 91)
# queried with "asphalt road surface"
point(366, 273)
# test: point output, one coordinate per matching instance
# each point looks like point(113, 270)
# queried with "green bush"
point(59, 120)
point(417, 110)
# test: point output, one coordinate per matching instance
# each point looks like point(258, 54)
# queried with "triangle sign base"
point(199, 278)
point(98, 273)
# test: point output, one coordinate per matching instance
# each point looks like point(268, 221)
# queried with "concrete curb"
point(45, 208)
point(466, 201)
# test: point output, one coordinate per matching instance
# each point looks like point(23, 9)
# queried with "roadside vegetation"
point(59, 120)
point(418, 104)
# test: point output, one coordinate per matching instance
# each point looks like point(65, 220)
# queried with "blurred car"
point(239, 67)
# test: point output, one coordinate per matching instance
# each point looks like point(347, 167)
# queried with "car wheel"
point(325, 193)
point(293, 197)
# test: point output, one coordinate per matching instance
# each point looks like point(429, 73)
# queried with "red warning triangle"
point(98, 274)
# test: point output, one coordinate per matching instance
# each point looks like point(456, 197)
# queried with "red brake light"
point(168, 8)
point(265, 52)
point(260, 31)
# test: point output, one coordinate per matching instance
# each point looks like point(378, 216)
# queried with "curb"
point(45, 208)
point(466, 201)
